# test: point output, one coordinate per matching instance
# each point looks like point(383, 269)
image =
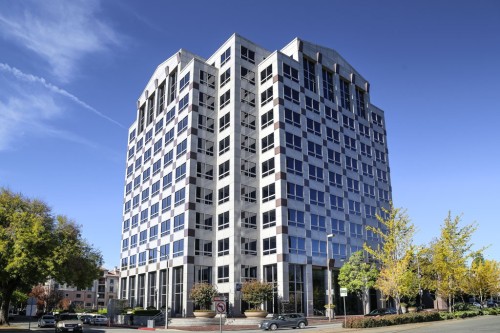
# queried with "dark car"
point(86, 319)
point(292, 320)
point(381, 312)
point(68, 322)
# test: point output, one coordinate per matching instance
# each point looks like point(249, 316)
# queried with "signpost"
point(220, 308)
point(343, 294)
point(31, 311)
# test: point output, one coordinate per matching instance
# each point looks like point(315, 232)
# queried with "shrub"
point(202, 294)
point(408, 318)
point(146, 312)
point(256, 292)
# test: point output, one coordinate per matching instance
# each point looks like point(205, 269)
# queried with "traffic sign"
point(343, 292)
point(220, 307)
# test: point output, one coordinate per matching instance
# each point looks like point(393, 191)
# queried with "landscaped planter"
point(204, 314)
point(255, 314)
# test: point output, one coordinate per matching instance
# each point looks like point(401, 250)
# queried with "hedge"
point(389, 320)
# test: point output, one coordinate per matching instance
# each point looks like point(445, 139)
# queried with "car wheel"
point(273, 327)
point(302, 324)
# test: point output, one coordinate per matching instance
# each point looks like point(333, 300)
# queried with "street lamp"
point(329, 275)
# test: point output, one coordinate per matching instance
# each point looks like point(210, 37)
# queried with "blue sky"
point(71, 73)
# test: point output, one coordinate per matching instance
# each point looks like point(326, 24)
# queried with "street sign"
point(220, 307)
point(343, 292)
point(32, 300)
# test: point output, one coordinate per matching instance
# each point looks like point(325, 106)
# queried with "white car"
point(46, 321)
point(99, 320)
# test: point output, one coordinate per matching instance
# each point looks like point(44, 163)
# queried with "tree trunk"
point(6, 295)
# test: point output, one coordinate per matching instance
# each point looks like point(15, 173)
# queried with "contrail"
point(31, 78)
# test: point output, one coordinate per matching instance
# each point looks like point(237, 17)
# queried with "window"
point(360, 103)
point(268, 193)
point(378, 137)
point(156, 167)
point(348, 122)
point(269, 219)
point(266, 96)
point(223, 247)
point(126, 225)
point(296, 245)
point(178, 250)
point(203, 221)
point(166, 204)
point(248, 273)
point(167, 180)
point(204, 195)
point(144, 215)
point(224, 145)
point(205, 123)
point(293, 166)
point(145, 195)
point(377, 119)
point(180, 172)
point(309, 75)
point(145, 174)
point(131, 136)
point(382, 175)
point(318, 222)
point(248, 120)
point(169, 136)
point(135, 220)
point(247, 75)
point(292, 118)
point(131, 152)
point(345, 99)
point(248, 168)
point(338, 227)
point(317, 197)
point(207, 79)
point(336, 203)
point(159, 126)
point(138, 162)
point(296, 218)
point(248, 193)
point(328, 91)
point(268, 167)
point(269, 245)
point(161, 99)
point(151, 106)
point(318, 248)
point(153, 233)
point(225, 77)
point(331, 114)
point(170, 116)
point(207, 101)
point(147, 155)
point(332, 135)
point(179, 197)
point(155, 188)
point(335, 179)
point(367, 169)
point(143, 237)
point(312, 105)
point(370, 235)
point(364, 130)
point(380, 156)
point(349, 143)
point(133, 241)
point(293, 141)
point(125, 244)
point(224, 122)
point(249, 220)
point(266, 119)
point(172, 84)
point(135, 201)
point(247, 54)
point(266, 74)
point(268, 142)
point(164, 252)
point(223, 274)
point(369, 190)
point(248, 246)
point(168, 158)
point(290, 73)
point(130, 169)
point(313, 127)
point(352, 185)
point(204, 170)
point(205, 147)
point(356, 230)
point(370, 211)
point(225, 99)
point(224, 194)
point(292, 95)
point(137, 181)
point(354, 207)
point(183, 103)
point(295, 191)
point(225, 57)
point(351, 163)
point(132, 262)
point(248, 144)
point(142, 258)
point(179, 222)
point(182, 125)
point(141, 119)
point(366, 149)
point(247, 97)
point(203, 247)
point(127, 206)
point(223, 169)
point(314, 149)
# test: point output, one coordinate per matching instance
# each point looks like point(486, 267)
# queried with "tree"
point(256, 292)
point(451, 252)
point(35, 245)
point(393, 253)
point(203, 294)
point(358, 276)
point(483, 279)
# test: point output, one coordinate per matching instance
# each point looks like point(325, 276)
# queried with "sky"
point(71, 73)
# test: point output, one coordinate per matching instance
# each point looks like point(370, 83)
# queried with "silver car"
point(292, 320)
point(47, 321)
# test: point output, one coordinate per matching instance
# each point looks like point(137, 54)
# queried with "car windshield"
point(69, 317)
point(48, 317)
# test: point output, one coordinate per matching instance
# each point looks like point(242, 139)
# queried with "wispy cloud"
point(60, 32)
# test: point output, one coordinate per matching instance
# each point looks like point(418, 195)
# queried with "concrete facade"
point(240, 165)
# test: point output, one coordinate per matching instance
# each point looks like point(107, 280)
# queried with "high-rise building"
point(240, 165)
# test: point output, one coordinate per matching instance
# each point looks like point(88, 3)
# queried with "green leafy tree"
point(483, 279)
point(35, 245)
point(393, 253)
point(451, 252)
point(203, 294)
point(358, 276)
point(256, 292)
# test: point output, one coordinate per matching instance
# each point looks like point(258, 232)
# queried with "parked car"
point(99, 320)
point(381, 312)
point(68, 322)
point(47, 321)
point(292, 320)
point(86, 318)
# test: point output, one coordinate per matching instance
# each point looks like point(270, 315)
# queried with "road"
point(484, 324)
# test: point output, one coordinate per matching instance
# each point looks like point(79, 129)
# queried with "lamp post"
point(329, 275)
